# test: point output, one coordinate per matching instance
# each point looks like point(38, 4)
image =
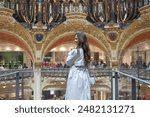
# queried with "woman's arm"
point(72, 56)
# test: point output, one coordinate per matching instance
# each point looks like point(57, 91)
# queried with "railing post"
point(22, 87)
point(114, 85)
point(17, 86)
point(133, 89)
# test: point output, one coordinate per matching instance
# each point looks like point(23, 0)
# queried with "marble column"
point(37, 82)
point(96, 95)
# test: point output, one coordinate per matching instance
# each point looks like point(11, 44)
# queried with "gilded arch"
point(138, 28)
point(69, 28)
point(8, 26)
point(13, 39)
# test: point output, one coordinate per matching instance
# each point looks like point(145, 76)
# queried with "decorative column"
point(101, 94)
point(113, 33)
point(37, 76)
point(114, 79)
point(39, 37)
point(114, 61)
point(104, 95)
point(37, 82)
point(53, 57)
point(96, 95)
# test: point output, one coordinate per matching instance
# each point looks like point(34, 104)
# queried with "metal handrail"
point(133, 77)
point(143, 73)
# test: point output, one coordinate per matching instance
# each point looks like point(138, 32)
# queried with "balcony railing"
point(129, 81)
point(52, 73)
point(62, 72)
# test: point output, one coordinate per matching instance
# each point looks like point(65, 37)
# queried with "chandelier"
point(47, 14)
point(119, 12)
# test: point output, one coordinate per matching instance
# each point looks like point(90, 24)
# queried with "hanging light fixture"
point(119, 12)
point(44, 14)
point(47, 14)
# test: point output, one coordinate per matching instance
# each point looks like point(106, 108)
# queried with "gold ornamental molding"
point(144, 10)
point(75, 15)
point(71, 26)
point(139, 26)
point(112, 35)
point(6, 12)
point(37, 65)
point(9, 25)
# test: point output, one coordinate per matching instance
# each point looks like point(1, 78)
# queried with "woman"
point(78, 85)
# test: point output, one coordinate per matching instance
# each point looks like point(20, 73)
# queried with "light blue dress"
point(78, 85)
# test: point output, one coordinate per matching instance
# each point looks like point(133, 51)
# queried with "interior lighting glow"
point(52, 92)
point(146, 47)
point(17, 49)
point(8, 49)
point(62, 49)
point(13, 85)
point(4, 86)
point(54, 49)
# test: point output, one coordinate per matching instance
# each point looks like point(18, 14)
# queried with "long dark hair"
point(83, 43)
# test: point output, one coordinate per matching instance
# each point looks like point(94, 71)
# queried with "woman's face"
point(76, 39)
